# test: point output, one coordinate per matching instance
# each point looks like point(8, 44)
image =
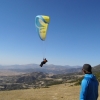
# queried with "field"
point(56, 92)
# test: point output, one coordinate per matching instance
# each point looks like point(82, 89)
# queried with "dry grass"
point(57, 92)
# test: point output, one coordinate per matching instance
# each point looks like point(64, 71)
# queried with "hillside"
point(39, 79)
point(34, 80)
point(55, 92)
point(96, 68)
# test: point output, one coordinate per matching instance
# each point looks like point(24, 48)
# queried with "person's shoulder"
point(84, 83)
point(85, 80)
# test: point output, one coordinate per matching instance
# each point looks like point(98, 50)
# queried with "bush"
point(54, 83)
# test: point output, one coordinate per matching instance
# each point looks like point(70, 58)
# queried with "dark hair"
point(87, 67)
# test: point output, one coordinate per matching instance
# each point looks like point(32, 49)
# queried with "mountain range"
point(51, 69)
point(55, 69)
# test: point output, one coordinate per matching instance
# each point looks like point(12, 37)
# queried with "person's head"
point(87, 69)
point(44, 58)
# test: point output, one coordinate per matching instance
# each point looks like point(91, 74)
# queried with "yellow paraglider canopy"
point(41, 23)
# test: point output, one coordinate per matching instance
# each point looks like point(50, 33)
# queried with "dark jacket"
point(43, 62)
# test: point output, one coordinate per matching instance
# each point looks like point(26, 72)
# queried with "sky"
point(73, 36)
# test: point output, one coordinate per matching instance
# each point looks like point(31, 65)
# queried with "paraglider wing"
point(41, 23)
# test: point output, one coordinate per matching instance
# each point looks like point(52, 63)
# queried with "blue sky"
point(73, 36)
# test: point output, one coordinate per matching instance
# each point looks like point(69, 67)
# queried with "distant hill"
point(31, 77)
point(53, 69)
point(37, 77)
point(96, 68)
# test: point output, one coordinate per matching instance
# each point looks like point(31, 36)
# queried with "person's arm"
point(83, 92)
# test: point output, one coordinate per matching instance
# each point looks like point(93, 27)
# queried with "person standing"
point(89, 84)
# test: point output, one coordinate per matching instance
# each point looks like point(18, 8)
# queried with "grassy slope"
point(56, 92)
